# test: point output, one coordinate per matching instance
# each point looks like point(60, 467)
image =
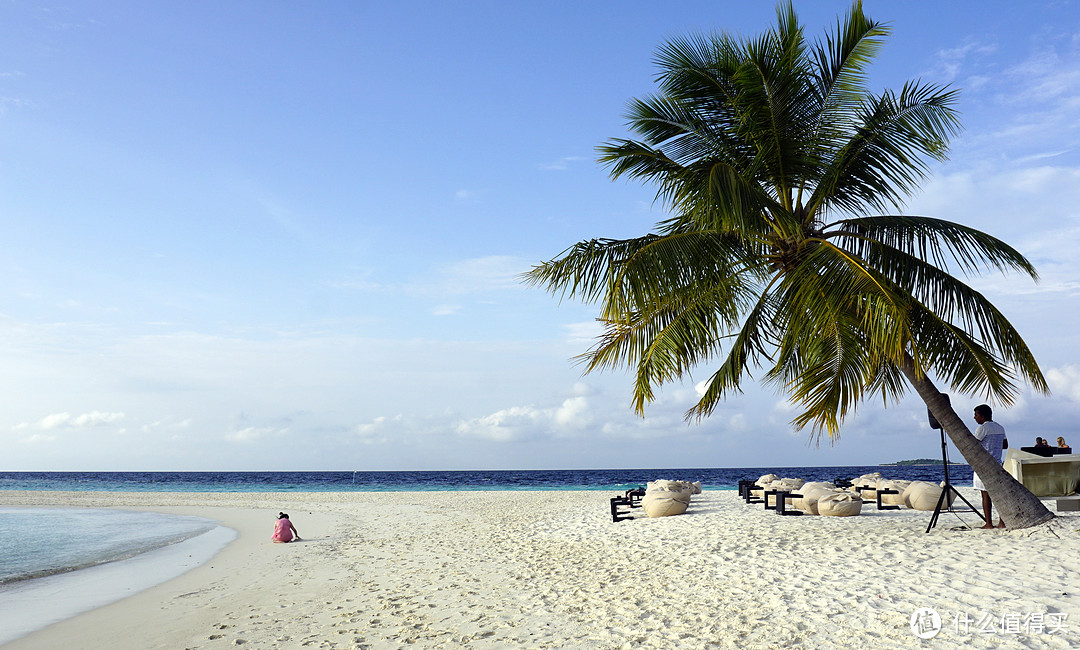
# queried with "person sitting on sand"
point(284, 531)
point(1061, 443)
point(1039, 442)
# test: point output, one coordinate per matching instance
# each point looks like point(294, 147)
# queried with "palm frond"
point(882, 160)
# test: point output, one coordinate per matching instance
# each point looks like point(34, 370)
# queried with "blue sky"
point(251, 236)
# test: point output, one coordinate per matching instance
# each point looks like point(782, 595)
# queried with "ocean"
point(568, 479)
point(44, 541)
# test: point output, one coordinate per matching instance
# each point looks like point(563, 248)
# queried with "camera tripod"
point(945, 496)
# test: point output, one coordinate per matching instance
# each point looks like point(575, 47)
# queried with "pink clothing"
point(282, 531)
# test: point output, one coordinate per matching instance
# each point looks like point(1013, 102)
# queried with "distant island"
point(918, 461)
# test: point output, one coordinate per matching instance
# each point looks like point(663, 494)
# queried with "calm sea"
point(43, 541)
point(582, 479)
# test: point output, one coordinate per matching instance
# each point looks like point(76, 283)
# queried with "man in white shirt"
point(992, 436)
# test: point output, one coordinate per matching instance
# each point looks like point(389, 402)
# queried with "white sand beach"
point(550, 570)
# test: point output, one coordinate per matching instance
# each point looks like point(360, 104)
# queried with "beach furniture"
point(744, 488)
point(1054, 476)
point(617, 505)
point(886, 494)
point(1047, 452)
point(840, 504)
point(780, 503)
point(811, 494)
point(1068, 504)
point(665, 498)
point(660, 504)
point(759, 486)
point(630, 499)
point(785, 484)
point(923, 495)
point(891, 492)
point(883, 493)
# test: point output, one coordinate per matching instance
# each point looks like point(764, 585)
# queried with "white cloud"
point(39, 438)
point(514, 423)
point(66, 420)
point(495, 272)
point(562, 164)
point(96, 419)
point(382, 428)
point(1065, 382)
point(252, 434)
point(530, 422)
point(951, 61)
point(166, 425)
point(586, 332)
point(573, 413)
point(464, 195)
point(55, 420)
point(446, 310)
point(467, 276)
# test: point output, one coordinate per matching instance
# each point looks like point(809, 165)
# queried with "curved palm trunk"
point(1016, 505)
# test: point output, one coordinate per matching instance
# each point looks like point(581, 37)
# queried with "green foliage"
point(776, 162)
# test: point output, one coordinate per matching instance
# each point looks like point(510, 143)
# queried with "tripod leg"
point(937, 509)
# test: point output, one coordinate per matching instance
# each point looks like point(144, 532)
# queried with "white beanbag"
point(870, 479)
point(839, 504)
point(922, 495)
point(665, 503)
point(810, 495)
point(893, 499)
point(766, 479)
point(788, 484)
point(667, 484)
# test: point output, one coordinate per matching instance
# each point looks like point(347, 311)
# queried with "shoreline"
point(27, 606)
point(550, 570)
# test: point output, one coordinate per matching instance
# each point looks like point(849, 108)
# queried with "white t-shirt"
point(992, 436)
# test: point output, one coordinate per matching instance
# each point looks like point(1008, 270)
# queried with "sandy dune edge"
point(550, 570)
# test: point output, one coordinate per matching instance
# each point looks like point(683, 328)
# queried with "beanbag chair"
point(810, 496)
point(665, 503)
point(789, 484)
point(839, 504)
point(893, 499)
point(923, 495)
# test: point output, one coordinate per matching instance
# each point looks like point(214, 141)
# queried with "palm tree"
point(777, 163)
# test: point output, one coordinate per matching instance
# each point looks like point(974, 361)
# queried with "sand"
point(550, 570)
